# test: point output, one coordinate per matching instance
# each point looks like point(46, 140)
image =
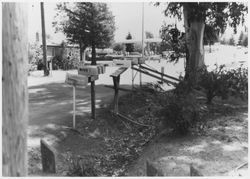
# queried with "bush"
point(181, 110)
point(181, 113)
point(222, 83)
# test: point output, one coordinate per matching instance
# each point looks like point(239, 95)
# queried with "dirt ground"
point(217, 152)
point(120, 148)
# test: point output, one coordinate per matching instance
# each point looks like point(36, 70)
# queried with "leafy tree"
point(118, 47)
point(245, 41)
point(231, 41)
point(151, 46)
point(173, 40)
point(149, 35)
point(223, 41)
point(241, 38)
point(210, 36)
point(196, 15)
point(34, 53)
point(129, 47)
point(86, 24)
point(138, 47)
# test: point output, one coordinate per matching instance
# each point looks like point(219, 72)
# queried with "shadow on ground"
point(50, 117)
point(221, 149)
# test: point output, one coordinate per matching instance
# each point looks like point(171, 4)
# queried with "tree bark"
point(194, 30)
point(15, 94)
point(80, 44)
point(93, 53)
point(46, 71)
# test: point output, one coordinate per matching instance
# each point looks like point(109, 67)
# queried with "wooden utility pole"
point(142, 41)
point(15, 93)
point(46, 71)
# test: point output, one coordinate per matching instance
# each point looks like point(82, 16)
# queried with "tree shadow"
point(216, 153)
point(51, 107)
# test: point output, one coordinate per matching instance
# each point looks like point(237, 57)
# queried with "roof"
point(133, 41)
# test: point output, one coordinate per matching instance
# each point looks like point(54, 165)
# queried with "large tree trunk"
point(80, 44)
point(15, 94)
point(46, 71)
point(93, 60)
point(194, 30)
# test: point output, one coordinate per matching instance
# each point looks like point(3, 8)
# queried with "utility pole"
point(46, 71)
point(15, 92)
point(140, 75)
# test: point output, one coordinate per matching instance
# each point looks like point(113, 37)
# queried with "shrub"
point(222, 83)
point(181, 110)
point(181, 113)
point(238, 82)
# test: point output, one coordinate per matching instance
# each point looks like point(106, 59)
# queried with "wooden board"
point(136, 60)
point(119, 71)
point(76, 80)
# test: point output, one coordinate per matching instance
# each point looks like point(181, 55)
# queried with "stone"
point(48, 156)
point(194, 171)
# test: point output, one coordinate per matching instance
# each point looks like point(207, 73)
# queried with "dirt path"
point(221, 149)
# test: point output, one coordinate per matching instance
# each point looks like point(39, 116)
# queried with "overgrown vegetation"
point(178, 111)
point(223, 83)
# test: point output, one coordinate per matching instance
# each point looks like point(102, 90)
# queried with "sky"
point(128, 18)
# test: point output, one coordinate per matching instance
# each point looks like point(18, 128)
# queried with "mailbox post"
point(91, 72)
point(75, 80)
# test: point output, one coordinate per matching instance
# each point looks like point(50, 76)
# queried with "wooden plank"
point(155, 71)
point(48, 157)
point(76, 80)
point(119, 71)
point(135, 60)
point(152, 75)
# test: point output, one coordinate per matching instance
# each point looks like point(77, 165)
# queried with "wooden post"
point(74, 106)
point(46, 72)
point(162, 72)
point(132, 77)
point(116, 81)
point(140, 77)
point(14, 86)
point(93, 116)
point(51, 65)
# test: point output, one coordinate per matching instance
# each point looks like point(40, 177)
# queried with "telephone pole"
point(45, 68)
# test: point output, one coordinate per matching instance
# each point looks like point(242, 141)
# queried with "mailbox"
point(76, 80)
point(90, 70)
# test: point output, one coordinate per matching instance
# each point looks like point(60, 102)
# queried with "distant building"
point(54, 49)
